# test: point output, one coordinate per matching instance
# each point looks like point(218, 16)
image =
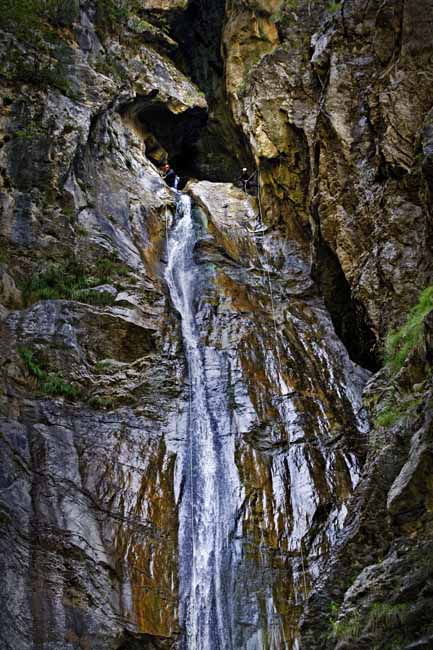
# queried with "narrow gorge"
point(216, 398)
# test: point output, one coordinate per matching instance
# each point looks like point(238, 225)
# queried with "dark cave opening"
point(348, 315)
point(178, 134)
point(213, 149)
point(167, 135)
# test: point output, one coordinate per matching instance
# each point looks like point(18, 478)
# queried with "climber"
point(248, 181)
point(169, 175)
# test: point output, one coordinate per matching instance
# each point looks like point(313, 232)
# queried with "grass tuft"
point(402, 342)
point(70, 281)
point(393, 411)
point(348, 629)
point(384, 615)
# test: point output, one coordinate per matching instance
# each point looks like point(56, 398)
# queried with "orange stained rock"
point(146, 546)
point(240, 296)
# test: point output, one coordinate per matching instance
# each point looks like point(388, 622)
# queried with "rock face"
point(201, 446)
point(330, 97)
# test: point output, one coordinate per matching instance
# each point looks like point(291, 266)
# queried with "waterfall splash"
point(205, 511)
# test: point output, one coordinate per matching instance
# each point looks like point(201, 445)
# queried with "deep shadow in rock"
point(219, 149)
point(145, 642)
point(348, 315)
point(167, 135)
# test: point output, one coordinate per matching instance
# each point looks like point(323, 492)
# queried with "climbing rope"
point(166, 234)
point(271, 291)
point(303, 572)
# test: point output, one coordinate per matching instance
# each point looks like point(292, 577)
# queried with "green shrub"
point(35, 22)
point(4, 257)
point(98, 402)
point(102, 365)
point(49, 383)
point(55, 385)
point(333, 7)
point(394, 411)
point(26, 17)
point(44, 75)
point(31, 364)
point(347, 629)
point(384, 615)
point(107, 267)
point(401, 343)
point(70, 281)
point(111, 14)
point(55, 282)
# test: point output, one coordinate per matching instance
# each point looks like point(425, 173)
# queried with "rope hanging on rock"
point(271, 291)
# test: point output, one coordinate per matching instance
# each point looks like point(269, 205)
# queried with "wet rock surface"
point(324, 469)
point(330, 98)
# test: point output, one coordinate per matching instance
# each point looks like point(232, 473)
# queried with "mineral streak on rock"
point(318, 507)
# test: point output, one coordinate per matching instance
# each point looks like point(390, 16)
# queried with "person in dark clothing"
point(169, 175)
point(248, 181)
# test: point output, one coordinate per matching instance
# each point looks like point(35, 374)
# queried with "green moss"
point(401, 343)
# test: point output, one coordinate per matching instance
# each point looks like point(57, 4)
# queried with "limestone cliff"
point(317, 420)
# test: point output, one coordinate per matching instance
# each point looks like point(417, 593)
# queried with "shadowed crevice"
point(348, 315)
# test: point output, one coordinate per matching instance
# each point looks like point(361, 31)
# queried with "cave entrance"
point(214, 148)
point(168, 136)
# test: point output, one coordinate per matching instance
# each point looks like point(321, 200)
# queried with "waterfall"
point(204, 512)
point(229, 576)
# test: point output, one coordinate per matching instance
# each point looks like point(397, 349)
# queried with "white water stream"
point(203, 516)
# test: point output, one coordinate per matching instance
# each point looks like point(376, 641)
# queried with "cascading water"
point(205, 508)
point(246, 512)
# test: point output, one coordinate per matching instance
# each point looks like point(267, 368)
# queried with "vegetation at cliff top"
point(112, 14)
point(38, 24)
point(25, 16)
point(402, 342)
point(292, 5)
